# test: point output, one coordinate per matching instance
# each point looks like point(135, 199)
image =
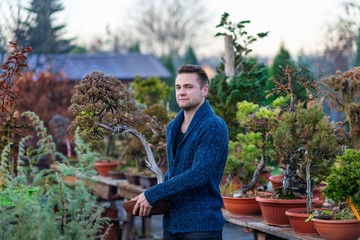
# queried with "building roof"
point(122, 66)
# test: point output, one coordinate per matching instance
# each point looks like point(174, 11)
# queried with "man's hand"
point(143, 205)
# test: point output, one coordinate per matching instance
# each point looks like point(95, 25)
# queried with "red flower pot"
point(273, 210)
point(337, 229)
point(276, 180)
point(103, 168)
point(244, 205)
point(297, 217)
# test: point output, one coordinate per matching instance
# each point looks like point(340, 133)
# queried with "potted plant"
point(343, 90)
point(101, 99)
point(303, 138)
point(247, 158)
point(341, 220)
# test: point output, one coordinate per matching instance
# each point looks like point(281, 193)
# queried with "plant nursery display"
point(341, 220)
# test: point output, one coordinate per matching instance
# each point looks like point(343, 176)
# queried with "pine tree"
point(190, 57)
point(44, 35)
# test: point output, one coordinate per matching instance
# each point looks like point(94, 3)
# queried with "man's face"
point(188, 93)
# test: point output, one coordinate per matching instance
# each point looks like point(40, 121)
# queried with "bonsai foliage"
point(343, 90)
point(343, 183)
point(103, 99)
point(10, 122)
point(248, 81)
point(302, 128)
point(46, 207)
point(249, 153)
point(309, 129)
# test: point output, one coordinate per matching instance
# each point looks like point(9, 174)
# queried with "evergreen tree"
point(168, 63)
point(190, 57)
point(44, 36)
point(281, 59)
point(357, 52)
point(247, 83)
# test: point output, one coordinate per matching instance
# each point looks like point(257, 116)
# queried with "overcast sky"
point(300, 25)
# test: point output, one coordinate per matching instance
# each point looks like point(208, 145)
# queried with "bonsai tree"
point(103, 99)
point(302, 128)
point(343, 188)
point(343, 90)
point(103, 106)
point(250, 152)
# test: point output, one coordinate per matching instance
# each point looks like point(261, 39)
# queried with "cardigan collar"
point(198, 117)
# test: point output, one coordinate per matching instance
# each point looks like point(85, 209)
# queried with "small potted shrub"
point(101, 99)
point(341, 219)
point(247, 158)
point(302, 137)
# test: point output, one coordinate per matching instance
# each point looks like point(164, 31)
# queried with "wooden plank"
point(129, 191)
point(258, 225)
point(105, 187)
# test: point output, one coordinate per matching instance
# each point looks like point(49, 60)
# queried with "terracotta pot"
point(243, 205)
point(276, 180)
point(116, 174)
point(147, 181)
point(132, 178)
point(246, 205)
point(297, 217)
point(273, 210)
point(103, 168)
point(337, 229)
point(317, 193)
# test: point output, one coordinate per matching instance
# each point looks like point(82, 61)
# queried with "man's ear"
point(205, 90)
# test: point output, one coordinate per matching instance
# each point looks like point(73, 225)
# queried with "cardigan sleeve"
point(210, 153)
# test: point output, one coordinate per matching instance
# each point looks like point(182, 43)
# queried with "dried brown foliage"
point(47, 95)
point(343, 90)
point(10, 122)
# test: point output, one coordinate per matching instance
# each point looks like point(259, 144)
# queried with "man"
point(197, 147)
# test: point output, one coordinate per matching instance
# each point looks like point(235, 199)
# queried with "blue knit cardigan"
point(194, 174)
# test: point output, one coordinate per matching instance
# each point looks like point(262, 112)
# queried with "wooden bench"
point(262, 231)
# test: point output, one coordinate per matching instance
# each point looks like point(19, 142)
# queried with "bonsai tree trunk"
point(260, 166)
point(292, 183)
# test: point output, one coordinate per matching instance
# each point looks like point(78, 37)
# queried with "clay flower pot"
point(147, 181)
point(337, 229)
point(273, 210)
point(132, 178)
point(244, 205)
point(317, 193)
point(297, 217)
point(116, 174)
point(103, 167)
point(276, 180)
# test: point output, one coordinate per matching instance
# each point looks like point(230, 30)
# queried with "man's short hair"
point(203, 78)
